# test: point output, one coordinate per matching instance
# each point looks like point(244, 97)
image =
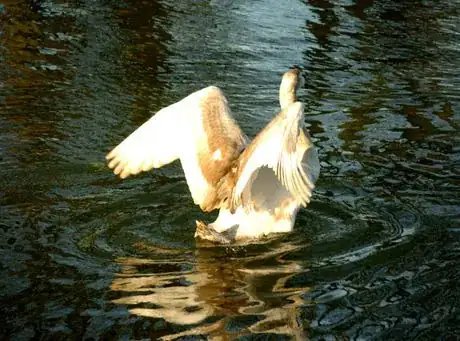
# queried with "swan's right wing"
point(285, 148)
point(199, 130)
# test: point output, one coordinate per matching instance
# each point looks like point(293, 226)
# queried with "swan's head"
point(290, 82)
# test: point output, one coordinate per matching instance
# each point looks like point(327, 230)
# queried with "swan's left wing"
point(285, 147)
point(199, 130)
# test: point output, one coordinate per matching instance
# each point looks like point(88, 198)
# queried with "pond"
point(87, 256)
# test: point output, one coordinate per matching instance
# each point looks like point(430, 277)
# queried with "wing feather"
point(149, 146)
point(199, 130)
point(286, 148)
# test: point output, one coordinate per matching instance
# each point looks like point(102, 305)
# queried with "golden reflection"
point(217, 289)
point(170, 295)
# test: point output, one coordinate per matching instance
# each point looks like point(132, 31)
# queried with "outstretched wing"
point(280, 162)
point(199, 130)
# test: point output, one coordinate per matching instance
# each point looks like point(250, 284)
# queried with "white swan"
point(258, 186)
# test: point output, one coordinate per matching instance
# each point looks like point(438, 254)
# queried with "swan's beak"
point(297, 70)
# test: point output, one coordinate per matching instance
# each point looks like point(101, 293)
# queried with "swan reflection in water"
point(219, 295)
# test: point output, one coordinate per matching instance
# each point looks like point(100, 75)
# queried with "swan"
point(257, 186)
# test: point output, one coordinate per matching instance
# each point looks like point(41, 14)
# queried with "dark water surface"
point(375, 256)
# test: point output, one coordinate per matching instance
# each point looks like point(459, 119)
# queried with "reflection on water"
point(225, 291)
point(87, 256)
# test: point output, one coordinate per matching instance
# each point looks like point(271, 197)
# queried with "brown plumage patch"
point(225, 187)
point(221, 148)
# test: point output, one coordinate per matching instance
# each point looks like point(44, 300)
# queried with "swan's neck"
point(286, 98)
point(288, 88)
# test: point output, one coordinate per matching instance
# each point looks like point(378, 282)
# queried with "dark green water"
point(84, 255)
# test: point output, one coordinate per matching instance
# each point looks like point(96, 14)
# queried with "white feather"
point(217, 155)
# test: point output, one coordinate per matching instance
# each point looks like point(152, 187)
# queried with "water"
point(87, 256)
